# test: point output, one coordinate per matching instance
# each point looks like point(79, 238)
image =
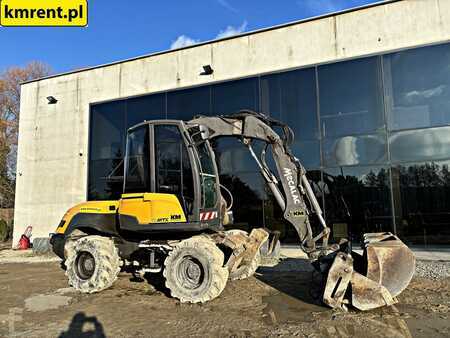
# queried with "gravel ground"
point(433, 269)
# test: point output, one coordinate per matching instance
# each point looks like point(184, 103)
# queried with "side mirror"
point(204, 132)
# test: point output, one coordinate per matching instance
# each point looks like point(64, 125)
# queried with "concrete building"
point(367, 92)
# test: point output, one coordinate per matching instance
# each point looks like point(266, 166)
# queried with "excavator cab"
point(170, 181)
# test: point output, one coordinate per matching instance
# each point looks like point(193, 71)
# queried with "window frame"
point(126, 163)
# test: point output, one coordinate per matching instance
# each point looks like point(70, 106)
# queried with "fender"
point(100, 216)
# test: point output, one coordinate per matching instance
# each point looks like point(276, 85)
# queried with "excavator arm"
point(365, 281)
point(249, 126)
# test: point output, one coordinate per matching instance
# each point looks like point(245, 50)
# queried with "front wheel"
point(92, 263)
point(194, 270)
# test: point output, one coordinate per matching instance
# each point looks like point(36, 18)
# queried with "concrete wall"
point(53, 139)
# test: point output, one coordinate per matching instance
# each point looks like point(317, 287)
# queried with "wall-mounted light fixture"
point(51, 100)
point(207, 70)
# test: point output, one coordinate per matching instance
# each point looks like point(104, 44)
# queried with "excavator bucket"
point(373, 279)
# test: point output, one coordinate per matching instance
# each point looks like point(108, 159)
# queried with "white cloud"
point(425, 94)
point(226, 4)
point(183, 41)
point(230, 31)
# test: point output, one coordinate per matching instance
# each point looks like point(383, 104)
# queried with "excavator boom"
point(365, 281)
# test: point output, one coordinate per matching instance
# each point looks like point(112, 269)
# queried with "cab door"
point(134, 209)
point(159, 187)
point(173, 163)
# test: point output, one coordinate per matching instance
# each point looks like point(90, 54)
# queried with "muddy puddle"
point(422, 311)
point(284, 309)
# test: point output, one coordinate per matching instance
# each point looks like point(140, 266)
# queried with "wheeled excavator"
point(172, 215)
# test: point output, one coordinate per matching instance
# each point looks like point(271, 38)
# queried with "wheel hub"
point(85, 265)
point(193, 271)
point(190, 273)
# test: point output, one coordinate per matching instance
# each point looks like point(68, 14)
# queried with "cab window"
point(173, 167)
point(208, 173)
point(137, 166)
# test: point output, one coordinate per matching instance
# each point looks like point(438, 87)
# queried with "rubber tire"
point(210, 257)
point(244, 271)
point(107, 263)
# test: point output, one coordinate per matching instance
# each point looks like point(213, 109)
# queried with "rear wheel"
point(92, 263)
point(194, 270)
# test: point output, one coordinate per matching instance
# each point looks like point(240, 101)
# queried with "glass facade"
point(373, 133)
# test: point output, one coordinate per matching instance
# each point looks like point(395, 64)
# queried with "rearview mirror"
point(204, 132)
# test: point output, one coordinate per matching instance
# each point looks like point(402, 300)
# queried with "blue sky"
point(118, 30)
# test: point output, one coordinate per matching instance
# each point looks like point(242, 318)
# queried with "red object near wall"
point(24, 241)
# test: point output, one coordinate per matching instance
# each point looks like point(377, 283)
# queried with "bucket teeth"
point(383, 271)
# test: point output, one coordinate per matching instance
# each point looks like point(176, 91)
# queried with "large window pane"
point(107, 143)
point(422, 202)
point(107, 131)
point(233, 156)
point(230, 97)
point(105, 180)
point(419, 145)
point(185, 104)
point(418, 84)
point(291, 97)
point(355, 150)
point(357, 200)
point(308, 152)
point(249, 192)
point(150, 107)
point(350, 97)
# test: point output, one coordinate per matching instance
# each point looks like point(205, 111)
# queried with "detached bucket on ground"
point(373, 279)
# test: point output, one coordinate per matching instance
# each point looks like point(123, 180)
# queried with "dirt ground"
point(35, 301)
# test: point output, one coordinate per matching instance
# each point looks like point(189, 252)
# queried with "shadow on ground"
point(294, 277)
point(83, 326)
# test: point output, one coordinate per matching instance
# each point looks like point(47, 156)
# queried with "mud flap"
point(374, 279)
